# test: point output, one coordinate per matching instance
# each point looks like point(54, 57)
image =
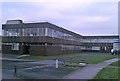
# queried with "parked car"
point(114, 52)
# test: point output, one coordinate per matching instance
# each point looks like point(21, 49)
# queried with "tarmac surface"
point(31, 68)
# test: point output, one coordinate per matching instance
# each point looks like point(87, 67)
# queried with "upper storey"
point(18, 28)
point(99, 39)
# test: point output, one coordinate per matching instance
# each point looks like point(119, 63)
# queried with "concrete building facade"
point(116, 45)
point(39, 39)
point(45, 38)
point(98, 43)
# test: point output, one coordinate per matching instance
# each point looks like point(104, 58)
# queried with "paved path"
point(8, 74)
point(12, 57)
point(90, 71)
point(15, 60)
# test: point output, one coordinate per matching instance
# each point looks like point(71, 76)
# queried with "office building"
point(44, 38)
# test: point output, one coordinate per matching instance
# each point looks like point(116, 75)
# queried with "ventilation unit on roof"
point(14, 21)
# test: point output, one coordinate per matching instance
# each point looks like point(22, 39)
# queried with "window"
point(14, 32)
point(41, 32)
point(50, 32)
point(15, 46)
point(28, 32)
point(9, 32)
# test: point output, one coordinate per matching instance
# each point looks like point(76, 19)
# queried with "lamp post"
point(56, 65)
point(15, 70)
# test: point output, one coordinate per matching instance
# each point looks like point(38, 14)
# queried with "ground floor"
point(39, 49)
point(97, 48)
point(52, 49)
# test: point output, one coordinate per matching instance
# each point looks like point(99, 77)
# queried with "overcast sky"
point(80, 16)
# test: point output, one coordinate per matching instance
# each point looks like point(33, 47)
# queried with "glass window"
point(14, 32)
point(49, 32)
point(23, 32)
point(41, 31)
point(15, 46)
point(28, 31)
point(5, 32)
point(9, 32)
point(20, 32)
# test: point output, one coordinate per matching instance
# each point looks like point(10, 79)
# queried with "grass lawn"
point(93, 60)
point(116, 63)
point(51, 57)
point(108, 73)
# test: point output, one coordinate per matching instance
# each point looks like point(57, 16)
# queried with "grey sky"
point(85, 18)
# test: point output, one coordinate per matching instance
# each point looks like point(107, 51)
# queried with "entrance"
point(26, 49)
point(102, 48)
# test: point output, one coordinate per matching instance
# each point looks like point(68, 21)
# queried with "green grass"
point(116, 63)
point(108, 73)
point(93, 60)
point(51, 57)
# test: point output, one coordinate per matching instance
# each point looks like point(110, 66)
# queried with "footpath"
point(90, 71)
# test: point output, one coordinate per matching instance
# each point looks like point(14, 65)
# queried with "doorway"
point(26, 49)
